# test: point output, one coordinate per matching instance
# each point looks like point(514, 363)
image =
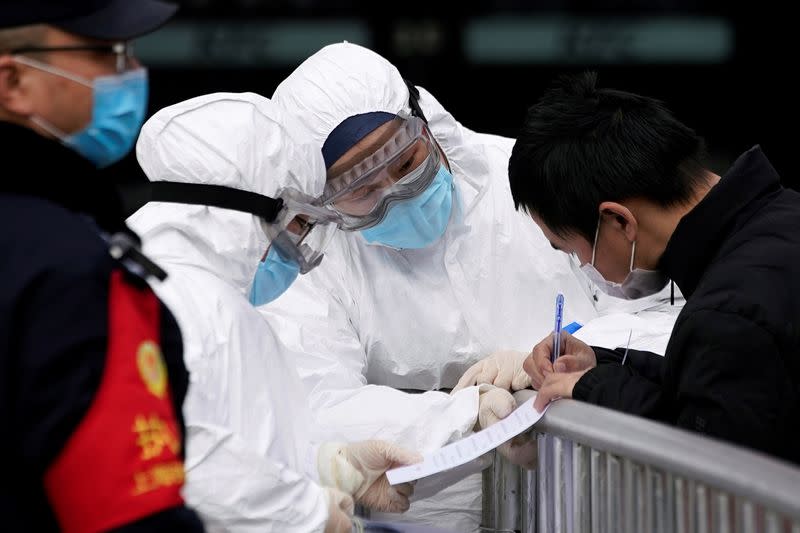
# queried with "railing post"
point(681, 503)
point(558, 486)
point(544, 481)
point(598, 478)
point(720, 513)
point(581, 489)
point(745, 517)
point(501, 495)
point(628, 498)
point(528, 499)
point(703, 517)
point(644, 488)
point(773, 522)
point(613, 488)
point(488, 511)
point(660, 508)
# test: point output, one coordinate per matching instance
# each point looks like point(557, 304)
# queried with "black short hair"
point(581, 146)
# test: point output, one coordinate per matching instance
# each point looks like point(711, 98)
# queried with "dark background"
point(735, 100)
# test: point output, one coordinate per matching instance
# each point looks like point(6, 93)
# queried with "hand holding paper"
point(469, 448)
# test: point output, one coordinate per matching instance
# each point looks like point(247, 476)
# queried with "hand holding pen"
point(552, 374)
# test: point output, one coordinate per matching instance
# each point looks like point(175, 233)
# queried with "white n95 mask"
point(637, 284)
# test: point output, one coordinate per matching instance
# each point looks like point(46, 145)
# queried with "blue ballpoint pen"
point(557, 328)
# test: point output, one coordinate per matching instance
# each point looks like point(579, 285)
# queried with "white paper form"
point(428, 486)
point(469, 448)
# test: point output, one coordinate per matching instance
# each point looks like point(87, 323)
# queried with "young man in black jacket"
point(92, 377)
point(615, 179)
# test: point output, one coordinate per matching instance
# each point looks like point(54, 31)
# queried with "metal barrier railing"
point(604, 471)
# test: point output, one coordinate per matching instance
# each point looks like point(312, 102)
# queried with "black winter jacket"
point(92, 377)
point(732, 366)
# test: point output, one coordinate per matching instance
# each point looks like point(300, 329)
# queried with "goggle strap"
point(413, 101)
point(216, 196)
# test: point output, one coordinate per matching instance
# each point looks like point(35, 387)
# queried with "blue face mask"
point(417, 222)
point(119, 103)
point(274, 275)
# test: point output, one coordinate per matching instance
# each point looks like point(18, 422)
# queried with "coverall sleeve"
point(316, 327)
point(237, 473)
point(236, 487)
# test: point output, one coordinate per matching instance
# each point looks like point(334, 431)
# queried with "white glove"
point(340, 511)
point(360, 469)
point(494, 404)
point(502, 369)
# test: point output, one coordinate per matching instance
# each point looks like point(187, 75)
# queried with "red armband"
point(123, 462)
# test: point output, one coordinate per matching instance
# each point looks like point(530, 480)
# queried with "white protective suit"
point(250, 463)
point(372, 319)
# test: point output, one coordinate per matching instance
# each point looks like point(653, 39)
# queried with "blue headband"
point(349, 132)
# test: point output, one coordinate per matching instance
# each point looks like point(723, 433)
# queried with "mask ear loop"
point(596, 234)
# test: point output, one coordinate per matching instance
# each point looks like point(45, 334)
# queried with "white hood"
point(343, 79)
point(241, 141)
point(340, 81)
point(250, 463)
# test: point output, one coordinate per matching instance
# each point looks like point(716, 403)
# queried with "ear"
point(13, 94)
point(620, 218)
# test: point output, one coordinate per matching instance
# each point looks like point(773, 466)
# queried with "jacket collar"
point(51, 171)
point(701, 232)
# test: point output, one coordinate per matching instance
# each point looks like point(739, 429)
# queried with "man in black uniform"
point(91, 371)
point(615, 179)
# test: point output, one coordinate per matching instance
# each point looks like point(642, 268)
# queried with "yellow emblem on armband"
point(152, 368)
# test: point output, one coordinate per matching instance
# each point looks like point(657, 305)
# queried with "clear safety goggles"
point(402, 165)
point(294, 223)
point(301, 231)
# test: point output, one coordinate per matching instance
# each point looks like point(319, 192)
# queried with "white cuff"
point(335, 470)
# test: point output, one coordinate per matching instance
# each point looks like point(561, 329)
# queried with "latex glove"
point(494, 404)
point(502, 369)
point(578, 356)
point(360, 469)
point(340, 511)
